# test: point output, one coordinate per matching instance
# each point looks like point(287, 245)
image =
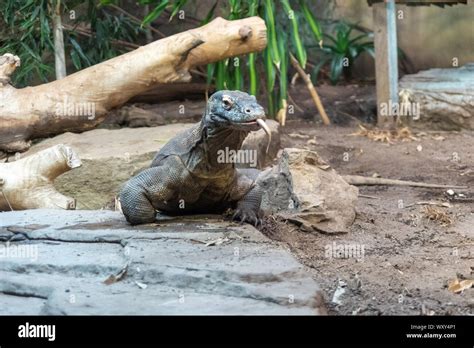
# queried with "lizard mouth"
point(260, 123)
point(254, 125)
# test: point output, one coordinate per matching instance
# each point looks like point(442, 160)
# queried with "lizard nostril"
point(248, 111)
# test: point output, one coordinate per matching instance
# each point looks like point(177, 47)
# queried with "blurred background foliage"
point(95, 31)
point(91, 36)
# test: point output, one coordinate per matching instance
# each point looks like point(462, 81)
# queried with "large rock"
point(445, 97)
point(56, 262)
point(303, 189)
point(109, 158)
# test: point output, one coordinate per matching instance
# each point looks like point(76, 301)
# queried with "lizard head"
point(235, 110)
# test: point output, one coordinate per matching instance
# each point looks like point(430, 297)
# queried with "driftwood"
point(363, 180)
point(28, 182)
point(81, 101)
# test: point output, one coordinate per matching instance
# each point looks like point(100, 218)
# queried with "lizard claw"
point(243, 218)
point(247, 215)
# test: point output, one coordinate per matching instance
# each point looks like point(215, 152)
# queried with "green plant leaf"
point(211, 68)
point(79, 51)
point(270, 79)
point(295, 36)
point(30, 52)
point(157, 11)
point(357, 38)
point(317, 68)
point(336, 68)
point(76, 61)
point(282, 45)
point(32, 18)
point(253, 83)
point(177, 6)
point(252, 74)
point(312, 22)
point(271, 30)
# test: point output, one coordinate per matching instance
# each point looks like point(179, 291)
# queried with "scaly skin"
point(186, 176)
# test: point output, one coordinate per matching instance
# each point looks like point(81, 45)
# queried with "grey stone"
point(445, 97)
point(302, 188)
point(183, 268)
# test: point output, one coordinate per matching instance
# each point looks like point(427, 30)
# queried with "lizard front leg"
point(248, 206)
point(142, 194)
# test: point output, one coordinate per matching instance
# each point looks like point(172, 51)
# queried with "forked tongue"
point(264, 126)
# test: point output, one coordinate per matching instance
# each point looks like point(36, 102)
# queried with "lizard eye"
point(227, 102)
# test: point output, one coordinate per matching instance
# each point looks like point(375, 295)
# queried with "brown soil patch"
point(409, 253)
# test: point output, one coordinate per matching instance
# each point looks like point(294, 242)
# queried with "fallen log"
point(81, 100)
point(28, 182)
point(443, 98)
point(363, 180)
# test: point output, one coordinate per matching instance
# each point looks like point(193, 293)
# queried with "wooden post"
point(386, 60)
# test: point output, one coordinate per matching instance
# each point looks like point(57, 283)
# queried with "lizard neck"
point(212, 149)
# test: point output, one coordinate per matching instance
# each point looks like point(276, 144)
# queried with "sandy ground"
point(407, 259)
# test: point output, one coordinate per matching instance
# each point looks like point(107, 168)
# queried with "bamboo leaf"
point(157, 11)
point(252, 74)
point(178, 5)
point(253, 88)
point(211, 69)
point(32, 18)
point(270, 80)
point(312, 22)
point(235, 9)
point(79, 51)
point(30, 52)
point(271, 29)
point(282, 45)
point(75, 60)
point(297, 43)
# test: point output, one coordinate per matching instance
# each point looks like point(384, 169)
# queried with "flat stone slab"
point(56, 262)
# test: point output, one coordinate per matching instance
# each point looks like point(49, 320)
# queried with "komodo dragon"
point(187, 176)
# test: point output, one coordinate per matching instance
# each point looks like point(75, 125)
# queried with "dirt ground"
point(408, 259)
